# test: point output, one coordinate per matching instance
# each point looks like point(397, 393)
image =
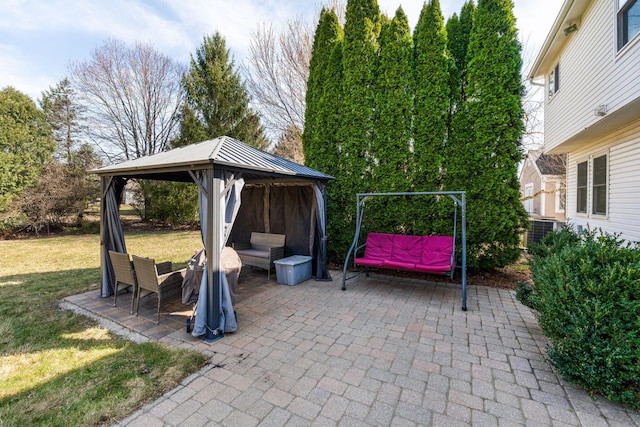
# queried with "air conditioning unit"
point(540, 228)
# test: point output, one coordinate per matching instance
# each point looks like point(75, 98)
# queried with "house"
point(590, 66)
point(542, 185)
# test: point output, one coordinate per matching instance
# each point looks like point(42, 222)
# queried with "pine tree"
point(63, 114)
point(329, 148)
point(215, 93)
point(486, 165)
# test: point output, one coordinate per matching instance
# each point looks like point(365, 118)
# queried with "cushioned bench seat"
point(261, 250)
point(428, 254)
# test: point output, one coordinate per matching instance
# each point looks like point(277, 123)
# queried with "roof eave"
point(146, 169)
point(570, 12)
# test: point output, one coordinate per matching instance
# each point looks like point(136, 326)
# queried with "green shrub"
point(174, 203)
point(524, 294)
point(587, 294)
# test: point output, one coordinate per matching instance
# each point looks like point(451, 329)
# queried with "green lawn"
point(60, 369)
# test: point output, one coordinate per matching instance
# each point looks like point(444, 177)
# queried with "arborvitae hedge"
point(431, 105)
point(431, 109)
point(391, 140)
point(488, 130)
point(463, 136)
point(322, 145)
point(458, 33)
point(327, 32)
point(362, 27)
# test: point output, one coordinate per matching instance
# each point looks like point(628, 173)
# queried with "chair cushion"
point(254, 252)
point(436, 254)
point(369, 262)
point(399, 265)
point(379, 246)
point(407, 249)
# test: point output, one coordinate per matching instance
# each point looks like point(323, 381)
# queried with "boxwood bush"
point(586, 292)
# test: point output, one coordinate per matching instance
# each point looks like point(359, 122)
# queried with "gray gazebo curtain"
point(322, 272)
point(229, 199)
point(112, 237)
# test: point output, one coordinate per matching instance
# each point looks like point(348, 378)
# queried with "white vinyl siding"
point(593, 74)
point(623, 183)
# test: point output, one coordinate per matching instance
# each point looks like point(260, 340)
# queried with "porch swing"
point(427, 254)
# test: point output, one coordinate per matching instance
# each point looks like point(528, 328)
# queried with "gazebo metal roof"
point(226, 152)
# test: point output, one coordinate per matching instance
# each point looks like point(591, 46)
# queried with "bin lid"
point(293, 260)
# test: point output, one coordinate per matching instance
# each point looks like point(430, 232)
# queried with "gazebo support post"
point(214, 295)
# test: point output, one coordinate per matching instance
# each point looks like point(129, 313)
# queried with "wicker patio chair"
point(125, 275)
point(151, 280)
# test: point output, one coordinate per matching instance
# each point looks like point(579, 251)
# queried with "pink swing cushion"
point(428, 254)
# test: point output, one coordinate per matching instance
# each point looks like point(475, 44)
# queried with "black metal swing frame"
point(459, 199)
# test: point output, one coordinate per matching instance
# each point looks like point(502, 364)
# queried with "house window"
point(599, 186)
point(528, 198)
point(554, 81)
point(628, 21)
point(581, 206)
point(561, 195)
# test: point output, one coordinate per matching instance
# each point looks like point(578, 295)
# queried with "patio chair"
point(125, 275)
point(155, 279)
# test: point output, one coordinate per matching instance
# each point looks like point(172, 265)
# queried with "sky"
point(40, 38)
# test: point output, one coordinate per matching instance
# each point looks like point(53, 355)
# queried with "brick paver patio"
point(387, 352)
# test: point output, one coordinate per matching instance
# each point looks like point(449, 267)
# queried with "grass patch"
point(58, 368)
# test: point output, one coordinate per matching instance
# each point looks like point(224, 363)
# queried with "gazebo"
point(264, 192)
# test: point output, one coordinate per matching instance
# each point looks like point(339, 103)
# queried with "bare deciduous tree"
point(289, 146)
point(277, 80)
point(278, 69)
point(132, 96)
point(532, 105)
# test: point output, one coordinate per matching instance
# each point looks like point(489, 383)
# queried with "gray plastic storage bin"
point(293, 270)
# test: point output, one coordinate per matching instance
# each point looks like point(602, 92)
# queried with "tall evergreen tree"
point(486, 164)
point(458, 33)
point(391, 143)
point(328, 35)
point(329, 148)
point(431, 105)
point(25, 143)
point(361, 31)
point(63, 114)
point(458, 130)
point(394, 102)
point(215, 93)
point(431, 108)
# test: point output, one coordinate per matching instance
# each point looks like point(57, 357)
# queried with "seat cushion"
point(379, 246)
point(367, 262)
point(400, 265)
point(406, 249)
point(254, 252)
point(436, 254)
